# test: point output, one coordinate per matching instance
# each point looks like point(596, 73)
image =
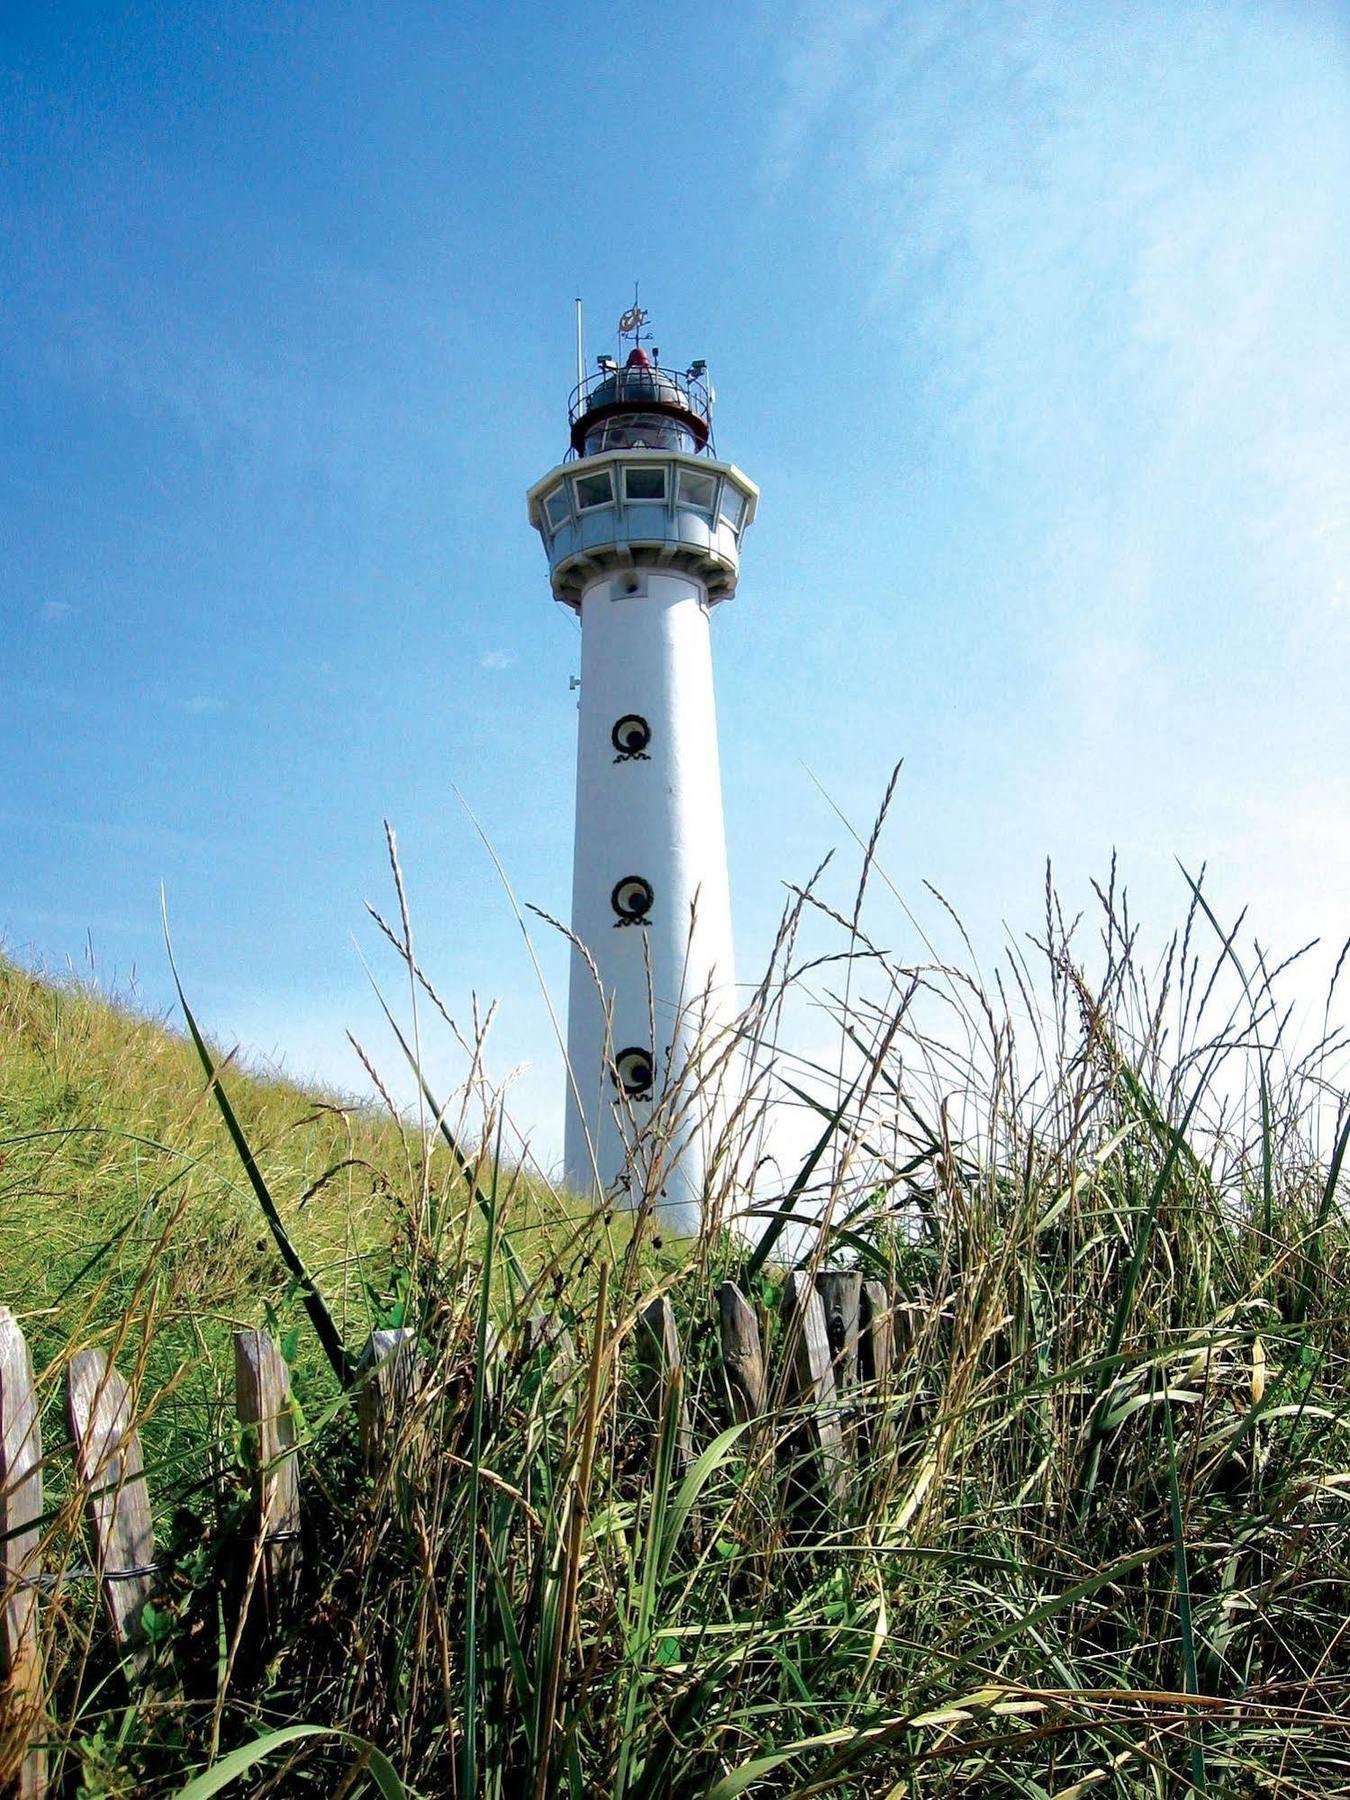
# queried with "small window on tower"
point(733, 506)
point(594, 490)
point(644, 484)
point(556, 509)
point(697, 491)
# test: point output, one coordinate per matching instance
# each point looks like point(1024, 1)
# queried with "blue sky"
point(1030, 320)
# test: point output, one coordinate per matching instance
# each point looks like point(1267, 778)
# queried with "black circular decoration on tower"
point(633, 1072)
point(632, 899)
point(631, 735)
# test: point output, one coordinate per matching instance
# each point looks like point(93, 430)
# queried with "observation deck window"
point(697, 491)
point(594, 490)
point(556, 508)
point(733, 506)
point(644, 484)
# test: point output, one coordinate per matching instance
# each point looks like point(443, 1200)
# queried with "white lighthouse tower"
point(642, 527)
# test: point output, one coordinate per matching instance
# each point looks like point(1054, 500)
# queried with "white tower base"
point(661, 983)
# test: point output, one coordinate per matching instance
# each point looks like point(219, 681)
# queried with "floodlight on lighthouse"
point(643, 525)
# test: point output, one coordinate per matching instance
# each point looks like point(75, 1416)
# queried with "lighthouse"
point(642, 526)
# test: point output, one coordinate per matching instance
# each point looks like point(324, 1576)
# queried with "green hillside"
point(111, 1138)
point(124, 1208)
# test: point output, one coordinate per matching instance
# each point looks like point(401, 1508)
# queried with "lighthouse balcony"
point(638, 507)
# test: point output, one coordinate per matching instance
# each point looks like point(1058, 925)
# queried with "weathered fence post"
point(545, 1332)
point(388, 1367)
point(742, 1354)
point(877, 1336)
point(20, 1536)
point(108, 1464)
point(910, 1317)
point(262, 1390)
point(819, 1436)
point(841, 1295)
point(662, 1368)
point(877, 1368)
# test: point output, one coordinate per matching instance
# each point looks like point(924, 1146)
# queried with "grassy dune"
point(114, 1151)
point(112, 1142)
point(126, 1218)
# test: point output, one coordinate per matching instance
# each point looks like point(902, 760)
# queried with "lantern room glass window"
point(594, 490)
point(644, 484)
point(697, 491)
point(639, 431)
point(556, 509)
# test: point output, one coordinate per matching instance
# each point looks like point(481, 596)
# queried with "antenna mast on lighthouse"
point(642, 527)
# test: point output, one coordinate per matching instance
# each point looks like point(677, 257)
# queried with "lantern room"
point(641, 407)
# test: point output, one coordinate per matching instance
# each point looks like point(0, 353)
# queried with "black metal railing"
point(641, 387)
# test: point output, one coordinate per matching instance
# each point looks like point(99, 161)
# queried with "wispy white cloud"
point(497, 660)
point(1117, 234)
point(1107, 244)
point(201, 706)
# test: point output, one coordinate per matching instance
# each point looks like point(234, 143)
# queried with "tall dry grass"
point(1094, 1540)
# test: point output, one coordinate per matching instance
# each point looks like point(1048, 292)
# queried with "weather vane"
point(630, 325)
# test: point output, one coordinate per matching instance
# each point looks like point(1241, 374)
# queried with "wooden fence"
point(838, 1331)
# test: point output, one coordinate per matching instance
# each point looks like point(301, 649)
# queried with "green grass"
point(127, 1219)
point(115, 1163)
point(110, 1134)
point(1095, 1542)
